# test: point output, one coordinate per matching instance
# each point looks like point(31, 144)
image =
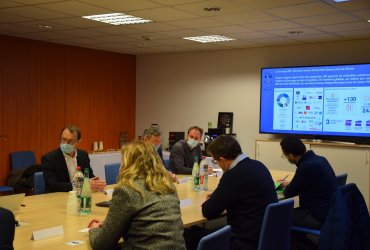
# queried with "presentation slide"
point(324, 100)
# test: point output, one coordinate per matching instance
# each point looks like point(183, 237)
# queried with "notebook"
point(12, 202)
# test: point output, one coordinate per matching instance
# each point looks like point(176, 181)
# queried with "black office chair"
point(347, 225)
point(341, 179)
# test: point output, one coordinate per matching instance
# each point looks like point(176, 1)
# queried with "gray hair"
point(149, 132)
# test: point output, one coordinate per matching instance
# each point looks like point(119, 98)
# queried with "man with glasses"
point(244, 191)
point(60, 164)
point(153, 136)
point(314, 182)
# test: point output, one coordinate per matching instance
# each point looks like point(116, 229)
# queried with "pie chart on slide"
point(283, 100)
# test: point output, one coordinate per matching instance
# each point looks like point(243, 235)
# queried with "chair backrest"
point(22, 159)
point(341, 179)
point(38, 183)
point(218, 240)
point(111, 172)
point(275, 231)
point(347, 225)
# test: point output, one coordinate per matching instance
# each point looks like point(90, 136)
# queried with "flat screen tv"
point(319, 101)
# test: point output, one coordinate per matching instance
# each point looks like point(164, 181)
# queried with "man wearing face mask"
point(153, 135)
point(244, 191)
point(60, 164)
point(183, 152)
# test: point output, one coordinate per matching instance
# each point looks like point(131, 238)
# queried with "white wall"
point(179, 90)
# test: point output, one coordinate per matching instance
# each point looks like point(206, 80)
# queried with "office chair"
point(6, 189)
point(111, 172)
point(218, 240)
point(276, 226)
point(38, 183)
point(341, 179)
point(22, 159)
point(347, 225)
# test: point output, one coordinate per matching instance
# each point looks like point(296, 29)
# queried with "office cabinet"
point(344, 158)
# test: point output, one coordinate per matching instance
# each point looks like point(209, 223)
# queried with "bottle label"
point(85, 205)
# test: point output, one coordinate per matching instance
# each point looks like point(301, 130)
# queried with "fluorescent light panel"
point(209, 39)
point(339, 1)
point(117, 19)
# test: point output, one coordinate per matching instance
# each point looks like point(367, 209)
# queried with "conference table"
point(50, 210)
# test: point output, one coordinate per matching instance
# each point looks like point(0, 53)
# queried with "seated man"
point(60, 164)
point(314, 182)
point(244, 191)
point(153, 135)
point(183, 152)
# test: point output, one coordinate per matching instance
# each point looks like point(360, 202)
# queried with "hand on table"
point(95, 223)
point(97, 184)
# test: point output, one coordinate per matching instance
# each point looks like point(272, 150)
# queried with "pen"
point(285, 177)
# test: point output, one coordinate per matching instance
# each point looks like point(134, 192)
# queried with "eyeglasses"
point(215, 162)
point(68, 141)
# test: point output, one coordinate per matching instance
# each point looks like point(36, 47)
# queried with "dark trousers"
point(303, 218)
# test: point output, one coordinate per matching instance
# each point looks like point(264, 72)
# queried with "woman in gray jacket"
point(145, 209)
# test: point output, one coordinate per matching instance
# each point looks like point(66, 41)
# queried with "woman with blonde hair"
point(144, 209)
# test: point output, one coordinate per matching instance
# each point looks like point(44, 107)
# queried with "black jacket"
point(56, 173)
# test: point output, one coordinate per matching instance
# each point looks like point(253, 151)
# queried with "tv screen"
point(316, 100)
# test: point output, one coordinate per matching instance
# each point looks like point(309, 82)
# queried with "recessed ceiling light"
point(44, 26)
point(295, 32)
point(212, 9)
point(209, 39)
point(117, 19)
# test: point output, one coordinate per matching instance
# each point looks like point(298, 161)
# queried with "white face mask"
point(192, 143)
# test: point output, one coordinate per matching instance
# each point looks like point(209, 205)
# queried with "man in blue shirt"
point(314, 182)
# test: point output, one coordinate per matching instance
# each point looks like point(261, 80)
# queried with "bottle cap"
point(72, 192)
point(78, 168)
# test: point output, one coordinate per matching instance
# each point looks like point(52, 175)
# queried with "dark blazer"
point(56, 173)
point(7, 229)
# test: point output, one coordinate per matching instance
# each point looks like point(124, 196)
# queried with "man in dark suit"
point(7, 229)
point(244, 191)
point(60, 164)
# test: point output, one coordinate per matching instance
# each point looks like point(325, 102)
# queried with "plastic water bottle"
point(204, 166)
point(77, 182)
point(85, 207)
point(72, 205)
point(195, 174)
point(201, 171)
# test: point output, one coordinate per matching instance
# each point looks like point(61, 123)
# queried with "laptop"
point(12, 202)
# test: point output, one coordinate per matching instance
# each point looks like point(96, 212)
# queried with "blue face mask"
point(192, 143)
point(67, 148)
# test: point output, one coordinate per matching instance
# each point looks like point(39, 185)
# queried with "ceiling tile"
point(326, 19)
point(268, 4)
point(274, 25)
point(194, 23)
point(162, 14)
point(74, 8)
point(123, 5)
point(226, 7)
point(34, 12)
point(302, 10)
point(246, 17)
point(225, 29)
point(345, 27)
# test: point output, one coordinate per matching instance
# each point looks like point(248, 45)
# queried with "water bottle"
point(85, 207)
point(72, 205)
point(195, 174)
point(77, 182)
point(204, 166)
point(201, 171)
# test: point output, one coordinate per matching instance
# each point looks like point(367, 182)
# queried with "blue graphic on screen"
point(319, 100)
